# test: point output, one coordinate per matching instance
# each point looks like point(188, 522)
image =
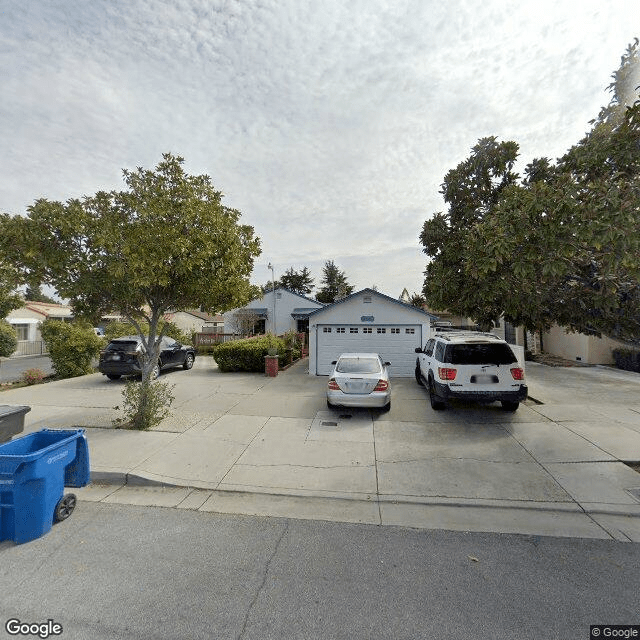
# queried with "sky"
point(330, 124)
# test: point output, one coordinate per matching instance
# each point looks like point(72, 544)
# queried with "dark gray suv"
point(122, 357)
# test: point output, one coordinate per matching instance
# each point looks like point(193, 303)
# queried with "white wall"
point(285, 303)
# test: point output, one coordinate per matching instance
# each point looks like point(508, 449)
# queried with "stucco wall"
point(579, 347)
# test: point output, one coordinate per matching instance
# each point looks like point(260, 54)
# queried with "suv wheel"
point(155, 372)
point(113, 376)
point(436, 404)
point(188, 361)
point(510, 406)
point(419, 376)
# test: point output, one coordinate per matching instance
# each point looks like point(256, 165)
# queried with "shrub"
point(72, 347)
point(33, 376)
point(8, 339)
point(144, 416)
point(627, 359)
point(247, 354)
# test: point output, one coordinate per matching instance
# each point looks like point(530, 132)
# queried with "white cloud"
point(330, 125)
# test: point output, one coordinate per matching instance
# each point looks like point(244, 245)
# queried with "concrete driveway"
point(244, 443)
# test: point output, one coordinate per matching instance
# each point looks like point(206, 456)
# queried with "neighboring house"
point(370, 322)
point(193, 320)
point(26, 319)
point(579, 346)
point(275, 312)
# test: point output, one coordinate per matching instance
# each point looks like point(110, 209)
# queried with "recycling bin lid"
point(8, 410)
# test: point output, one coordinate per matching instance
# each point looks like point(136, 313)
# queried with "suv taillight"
point(333, 385)
point(517, 373)
point(447, 374)
point(382, 385)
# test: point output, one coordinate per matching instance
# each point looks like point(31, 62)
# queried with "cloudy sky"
point(329, 123)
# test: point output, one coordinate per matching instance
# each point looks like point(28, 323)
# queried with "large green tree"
point(10, 278)
point(297, 281)
point(165, 242)
point(334, 284)
point(471, 190)
point(562, 245)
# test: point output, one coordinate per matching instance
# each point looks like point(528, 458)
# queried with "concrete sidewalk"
point(244, 443)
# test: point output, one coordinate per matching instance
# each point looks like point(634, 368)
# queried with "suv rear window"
point(479, 354)
point(119, 345)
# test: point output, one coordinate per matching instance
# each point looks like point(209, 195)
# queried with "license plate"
point(484, 379)
point(115, 356)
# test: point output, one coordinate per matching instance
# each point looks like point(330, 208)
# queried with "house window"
point(340, 330)
point(395, 330)
point(326, 329)
point(353, 329)
point(382, 330)
point(22, 330)
point(367, 330)
point(366, 299)
point(409, 330)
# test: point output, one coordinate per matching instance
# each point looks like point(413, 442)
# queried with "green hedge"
point(8, 339)
point(627, 359)
point(248, 354)
point(72, 347)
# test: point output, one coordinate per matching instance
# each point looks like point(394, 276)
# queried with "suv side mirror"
point(335, 362)
point(387, 364)
point(418, 350)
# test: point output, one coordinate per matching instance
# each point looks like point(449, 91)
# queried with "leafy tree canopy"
point(10, 279)
point(34, 294)
point(562, 245)
point(297, 281)
point(165, 242)
point(334, 285)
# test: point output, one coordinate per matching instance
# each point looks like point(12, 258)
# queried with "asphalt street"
point(11, 368)
point(116, 572)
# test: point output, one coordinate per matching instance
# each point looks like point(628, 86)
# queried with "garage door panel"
point(397, 346)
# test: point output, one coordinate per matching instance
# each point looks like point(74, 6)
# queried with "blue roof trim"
point(381, 295)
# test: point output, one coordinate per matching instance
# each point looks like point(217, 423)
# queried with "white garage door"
point(395, 343)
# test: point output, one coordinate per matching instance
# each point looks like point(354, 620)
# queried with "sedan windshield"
point(358, 365)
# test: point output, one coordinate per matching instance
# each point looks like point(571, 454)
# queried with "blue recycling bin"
point(34, 471)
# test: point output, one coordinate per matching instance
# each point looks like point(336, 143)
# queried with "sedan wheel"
point(155, 372)
point(188, 362)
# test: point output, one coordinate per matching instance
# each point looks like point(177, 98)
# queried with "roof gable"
point(373, 293)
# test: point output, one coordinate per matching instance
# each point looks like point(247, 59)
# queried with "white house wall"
point(285, 302)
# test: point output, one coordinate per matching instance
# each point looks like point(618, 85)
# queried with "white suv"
point(469, 365)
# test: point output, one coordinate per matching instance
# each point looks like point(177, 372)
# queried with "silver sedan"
point(359, 380)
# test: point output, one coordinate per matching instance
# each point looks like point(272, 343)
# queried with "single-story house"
point(275, 312)
point(370, 322)
point(25, 320)
point(193, 320)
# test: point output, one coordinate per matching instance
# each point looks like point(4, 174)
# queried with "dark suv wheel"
point(436, 403)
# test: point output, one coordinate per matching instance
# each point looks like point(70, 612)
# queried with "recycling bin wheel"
point(65, 507)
